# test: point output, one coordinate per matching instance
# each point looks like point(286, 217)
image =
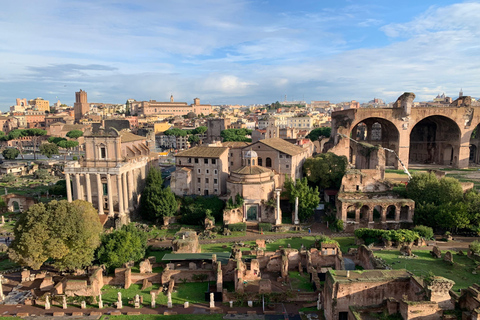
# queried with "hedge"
point(241, 226)
point(265, 226)
point(378, 235)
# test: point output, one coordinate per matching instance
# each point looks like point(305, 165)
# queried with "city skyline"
point(237, 52)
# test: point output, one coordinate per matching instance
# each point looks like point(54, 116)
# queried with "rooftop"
point(247, 170)
point(369, 275)
point(203, 152)
point(129, 137)
point(235, 144)
point(283, 146)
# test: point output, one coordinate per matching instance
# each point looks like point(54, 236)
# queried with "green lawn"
point(159, 317)
point(300, 282)
point(7, 264)
point(460, 272)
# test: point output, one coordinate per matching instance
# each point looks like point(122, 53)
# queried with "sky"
point(236, 51)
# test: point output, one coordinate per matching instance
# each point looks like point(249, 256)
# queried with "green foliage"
point(319, 132)
point(66, 232)
point(42, 174)
point(122, 246)
point(452, 216)
point(74, 158)
point(377, 235)
point(336, 225)
point(193, 139)
point(48, 149)
point(308, 197)
point(74, 134)
point(265, 226)
point(475, 246)
point(195, 209)
point(175, 132)
point(325, 170)
point(236, 135)
point(9, 177)
point(68, 144)
point(200, 130)
point(424, 232)
point(16, 134)
point(157, 202)
point(60, 188)
point(10, 153)
point(241, 226)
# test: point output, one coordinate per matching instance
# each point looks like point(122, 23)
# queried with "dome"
point(250, 154)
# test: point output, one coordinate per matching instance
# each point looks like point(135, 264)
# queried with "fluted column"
point(111, 213)
point(78, 193)
point(89, 187)
point(100, 194)
point(69, 187)
point(120, 194)
point(130, 190)
point(125, 192)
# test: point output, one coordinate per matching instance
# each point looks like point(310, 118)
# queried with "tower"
point(81, 105)
point(460, 94)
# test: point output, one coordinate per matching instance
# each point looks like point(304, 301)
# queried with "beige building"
point(152, 107)
point(40, 104)
point(300, 122)
point(112, 174)
point(201, 171)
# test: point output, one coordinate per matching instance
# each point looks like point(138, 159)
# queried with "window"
point(207, 171)
point(215, 172)
point(105, 189)
point(287, 166)
point(231, 154)
point(199, 171)
point(179, 161)
point(253, 162)
point(260, 162)
point(103, 152)
point(287, 156)
point(206, 180)
point(198, 179)
point(216, 190)
point(215, 181)
point(189, 160)
point(231, 163)
point(281, 156)
point(198, 189)
point(268, 163)
point(214, 161)
point(205, 161)
point(196, 160)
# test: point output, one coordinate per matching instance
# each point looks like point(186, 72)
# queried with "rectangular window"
point(198, 189)
point(105, 189)
point(207, 171)
point(231, 163)
point(199, 171)
point(215, 172)
point(281, 156)
point(103, 152)
point(198, 179)
point(214, 161)
point(189, 160)
point(196, 160)
point(287, 166)
point(215, 181)
point(216, 190)
point(206, 180)
point(205, 161)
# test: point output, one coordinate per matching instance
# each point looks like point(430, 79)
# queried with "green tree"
point(67, 145)
point(34, 134)
point(17, 134)
point(42, 174)
point(319, 132)
point(48, 149)
point(423, 188)
point(10, 153)
point(325, 170)
point(308, 197)
point(236, 135)
point(200, 130)
point(60, 188)
point(175, 132)
point(156, 201)
point(193, 139)
point(122, 246)
point(75, 134)
point(66, 232)
point(452, 216)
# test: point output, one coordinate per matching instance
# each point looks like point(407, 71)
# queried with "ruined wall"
point(425, 310)
point(178, 275)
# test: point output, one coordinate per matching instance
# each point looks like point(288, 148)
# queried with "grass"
point(460, 271)
point(159, 317)
point(300, 282)
point(7, 264)
point(346, 243)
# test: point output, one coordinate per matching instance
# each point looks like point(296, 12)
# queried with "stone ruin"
point(186, 241)
point(436, 253)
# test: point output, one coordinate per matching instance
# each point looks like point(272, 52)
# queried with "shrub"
point(376, 235)
point(74, 158)
point(336, 225)
point(241, 226)
point(424, 232)
point(475, 246)
point(265, 226)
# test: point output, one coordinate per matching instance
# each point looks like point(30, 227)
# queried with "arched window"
point(268, 162)
point(260, 162)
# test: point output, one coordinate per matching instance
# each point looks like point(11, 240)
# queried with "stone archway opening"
point(472, 158)
point(474, 145)
point(377, 213)
point(376, 131)
point(390, 213)
point(435, 140)
point(404, 213)
point(351, 213)
point(15, 206)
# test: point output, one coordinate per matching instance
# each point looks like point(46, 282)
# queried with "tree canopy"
point(74, 134)
point(236, 135)
point(48, 149)
point(10, 153)
point(157, 202)
point(308, 197)
point(325, 170)
point(318, 132)
point(122, 246)
point(200, 130)
point(175, 132)
point(66, 232)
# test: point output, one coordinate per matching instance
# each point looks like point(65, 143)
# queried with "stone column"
point(212, 300)
point(357, 215)
point(169, 300)
point(89, 187)
point(125, 192)
point(370, 215)
point(383, 214)
point(130, 190)
point(296, 220)
point(152, 299)
point(111, 213)
point(100, 302)
point(120, 194)
point(100, 194)
point(78, 187)
point(69, 187)
point(397, 214)
point(278, 218)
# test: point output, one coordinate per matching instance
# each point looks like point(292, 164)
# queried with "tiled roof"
point(129, 137)
point(203, 152)
point(251, 170)
point(282, 146)
point(235, 144)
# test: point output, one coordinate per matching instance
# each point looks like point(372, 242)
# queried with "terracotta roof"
point(70, 127)
point(283, 146)
point(203, 152)
point(251, 170)
point(129, 137)
point(235, 144)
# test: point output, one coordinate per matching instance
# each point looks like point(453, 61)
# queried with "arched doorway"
point(391, 213)
point(351, 213)
point(474, 145)
point(16, 206)
point(435, 140)
point(472, 158)
point(375, 131)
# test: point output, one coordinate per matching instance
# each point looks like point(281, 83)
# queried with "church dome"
point(250, 154)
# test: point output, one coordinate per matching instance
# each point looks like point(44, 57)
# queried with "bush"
point(194, 209)
point(241, 226)
point(74, 158)
point(265, 226)
point(60, 188)
point(475, 246)
point(336, 225)
point(424, 232)
point(376, 235)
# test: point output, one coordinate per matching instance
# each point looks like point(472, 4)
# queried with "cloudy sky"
point(238, 52)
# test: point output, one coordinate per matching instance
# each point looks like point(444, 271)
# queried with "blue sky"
point(237, 52)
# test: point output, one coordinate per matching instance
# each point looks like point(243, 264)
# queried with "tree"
point(236, 135)
point(193, 139)
point(67, 144)
point(157, 202)
point(200, 130)
point(325, 170)
point(452, 216)
point(48, 149)
point(122, 246)
point(175, 132)
point(42, 174)
point(319, 132)
point(308, 197)
point(35, 133)
point(10, 153)
point(75, 134)
point(66, 232)
point(16, 134)
point(423, 188)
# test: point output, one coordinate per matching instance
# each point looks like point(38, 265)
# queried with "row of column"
point(383, 214)
point(125, 189)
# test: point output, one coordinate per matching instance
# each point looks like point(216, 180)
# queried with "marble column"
point(111, 213)
point(120, 194)
point(89, 187)
point(100, 194)
point(296, 220)
point(130, 190)
point(69, 187)
point(125, 192)
point(78, 193)
point(278, 218)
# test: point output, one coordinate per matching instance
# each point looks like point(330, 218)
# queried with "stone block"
point(116, 313)
point(169, 313)
point(145, 266)
point(260, 243)
point(23, 314)
point(78, 314)
point(133, 313)
point(97, 313)
point(59, 314)
point(252, 312)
